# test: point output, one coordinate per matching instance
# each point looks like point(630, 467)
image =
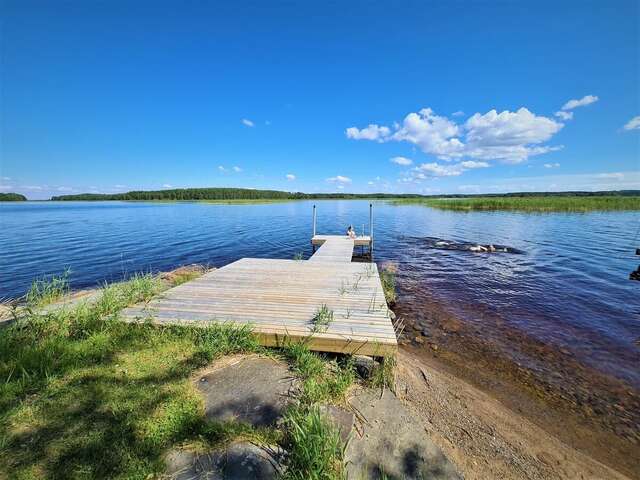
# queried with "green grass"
point(531, 204)
point(85, 395)
point(322, 319)
point(47, 290)
point(388, 280)
point(316, 451)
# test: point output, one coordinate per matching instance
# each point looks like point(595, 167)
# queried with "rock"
point(393, 443)
point(364, 365)
point(250, 389)
point(238, 461)
point(418, 339)
point(341, 419)
point(425, 332)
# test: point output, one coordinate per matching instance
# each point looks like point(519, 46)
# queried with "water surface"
point(567, 287)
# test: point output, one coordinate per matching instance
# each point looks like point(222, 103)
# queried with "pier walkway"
point(280, 300)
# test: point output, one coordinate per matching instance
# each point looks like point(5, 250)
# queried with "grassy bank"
point(531, 204)
point(84, 395)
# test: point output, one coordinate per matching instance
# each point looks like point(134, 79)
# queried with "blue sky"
point(427, 97)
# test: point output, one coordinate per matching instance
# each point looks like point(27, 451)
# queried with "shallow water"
point(568, 288)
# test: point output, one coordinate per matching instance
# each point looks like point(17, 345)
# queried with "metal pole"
point(371, 230)
point(314, 220)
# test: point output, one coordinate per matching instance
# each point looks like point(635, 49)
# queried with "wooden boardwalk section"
point(280, 298)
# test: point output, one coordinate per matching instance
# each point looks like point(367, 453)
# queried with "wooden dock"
point(280, 299)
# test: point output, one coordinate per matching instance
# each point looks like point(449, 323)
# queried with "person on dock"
point(351, 232)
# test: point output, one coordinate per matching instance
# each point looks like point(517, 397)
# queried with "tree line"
point(250, 194)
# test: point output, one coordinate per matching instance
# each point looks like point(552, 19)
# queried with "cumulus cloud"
point(372, 132)
point(221, 168)
point(583, 102)
point(511, 137)
point(474, 164)
point(237, 169)
point(290, 176)
point(247, 122)
point(564, 115)
point(551, 165)
point(459, 113)
point(633, 124)
point(339, 179)
point(401, 161)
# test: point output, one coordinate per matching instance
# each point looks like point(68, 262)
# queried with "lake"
point(567, 290)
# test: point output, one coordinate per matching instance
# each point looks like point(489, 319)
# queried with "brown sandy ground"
point(481, 436)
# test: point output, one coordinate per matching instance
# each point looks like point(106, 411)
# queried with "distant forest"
point(12, 197)
point(250, 194)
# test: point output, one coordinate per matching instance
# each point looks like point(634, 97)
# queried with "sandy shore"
point(483, 437)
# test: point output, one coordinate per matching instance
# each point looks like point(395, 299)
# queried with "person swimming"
point(351, 232)
point(487, 249)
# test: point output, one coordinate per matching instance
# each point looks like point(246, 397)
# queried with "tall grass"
point(531, 204)
point(316, 451)
point(44, 291)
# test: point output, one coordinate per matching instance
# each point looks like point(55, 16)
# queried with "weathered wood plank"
point(279, 299)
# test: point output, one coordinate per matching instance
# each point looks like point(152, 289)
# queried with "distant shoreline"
point(572, 201)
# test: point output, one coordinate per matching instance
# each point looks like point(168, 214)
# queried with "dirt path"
point(484, 438)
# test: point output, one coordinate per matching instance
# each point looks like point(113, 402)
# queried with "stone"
point(249, 389)
point(364, 365)
point(418, 339)
point(237, 461)
point(341, 419)
point(393, 443)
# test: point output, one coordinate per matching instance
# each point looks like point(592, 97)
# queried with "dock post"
point(371, 231)
point(313, 245)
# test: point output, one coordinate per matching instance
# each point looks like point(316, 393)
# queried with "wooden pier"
point(280, 300)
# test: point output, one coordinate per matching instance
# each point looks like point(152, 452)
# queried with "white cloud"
point(247, 122)
point(166, 185)
point(5, 179)
point(508, 136)
point(633, 124)
point(474, 164)
point(65, 189)
point(583, 102)
point(221, 168)
point(340, 187)
point(339, 179)
point(459, 113)
point(438, 170)
point(372, 132)
point(511, 137)
point(401, 161)
point(433, 134)
point(237, 169)
point(551, 165)
point(6, 187)
point(119, 186)
point(564, 115)
point(290, 176)
point(369, 183)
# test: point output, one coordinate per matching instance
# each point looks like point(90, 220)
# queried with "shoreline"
point(592, 413)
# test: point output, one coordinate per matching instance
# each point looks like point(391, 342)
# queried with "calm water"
point(568, 288)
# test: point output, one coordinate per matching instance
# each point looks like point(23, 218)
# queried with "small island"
point(12, 197)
